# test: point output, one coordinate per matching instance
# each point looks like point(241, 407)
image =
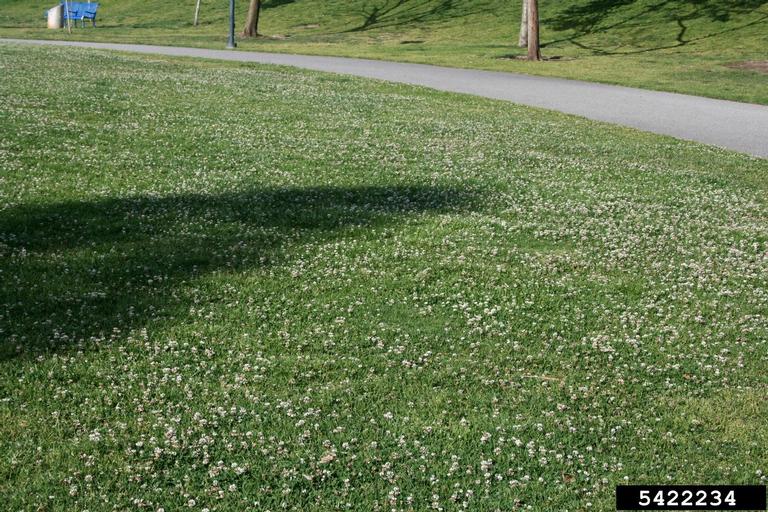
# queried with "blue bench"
point(79, 11)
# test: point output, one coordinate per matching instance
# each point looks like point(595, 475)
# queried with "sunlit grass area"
point(688, 46)
point(236, 287)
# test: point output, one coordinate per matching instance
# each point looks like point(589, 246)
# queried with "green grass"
point(250, 287)
point(674, 45)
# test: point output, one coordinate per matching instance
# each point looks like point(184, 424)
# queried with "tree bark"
point(534, 48)
point(197, 12)
point(522, 41)
point(252, 21)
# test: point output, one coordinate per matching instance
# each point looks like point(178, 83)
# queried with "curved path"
point(738, 126)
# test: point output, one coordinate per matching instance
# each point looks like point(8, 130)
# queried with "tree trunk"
point(252, 21)
point(522, 42)
point(197, 12)
point(534, 49)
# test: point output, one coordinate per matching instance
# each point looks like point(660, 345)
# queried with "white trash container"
point(55, 17)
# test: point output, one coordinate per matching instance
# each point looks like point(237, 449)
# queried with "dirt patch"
point(307, 26)
point(525, 57)
point(761, 66)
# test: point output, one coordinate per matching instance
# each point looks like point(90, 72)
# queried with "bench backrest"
point(78, 9)
point(89, 6)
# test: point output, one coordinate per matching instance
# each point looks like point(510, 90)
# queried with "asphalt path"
point(737, 126)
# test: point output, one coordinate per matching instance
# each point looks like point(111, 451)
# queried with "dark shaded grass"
point(121, 240)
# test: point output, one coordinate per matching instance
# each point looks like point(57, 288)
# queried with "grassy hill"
point(237, 287)
point(690, 46)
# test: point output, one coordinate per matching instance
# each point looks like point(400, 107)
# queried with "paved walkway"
point(738, 126)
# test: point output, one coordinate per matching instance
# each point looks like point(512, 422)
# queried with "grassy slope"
point(260, 287)
point(675, 45)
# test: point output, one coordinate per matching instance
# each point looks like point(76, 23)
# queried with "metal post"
point(66, 13)
point(197, 12)
point(231, 43)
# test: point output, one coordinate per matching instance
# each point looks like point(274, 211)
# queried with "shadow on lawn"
point(395, 13)
point(587, 19)
point(75, 273)
point(269, 4)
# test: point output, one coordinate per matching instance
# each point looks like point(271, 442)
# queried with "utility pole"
point(231, 45)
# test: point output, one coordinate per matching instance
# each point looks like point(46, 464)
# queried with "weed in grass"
point(234, 287)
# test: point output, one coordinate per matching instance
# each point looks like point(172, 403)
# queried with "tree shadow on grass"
point(269, 4)
point(588, 18)
point(82, 273)
point(396, 13)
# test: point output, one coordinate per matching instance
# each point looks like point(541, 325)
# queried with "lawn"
point(688, 46)
point(231, 287)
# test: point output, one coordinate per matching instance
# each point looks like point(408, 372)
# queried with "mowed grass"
point(687, 46)
point(235, 287)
